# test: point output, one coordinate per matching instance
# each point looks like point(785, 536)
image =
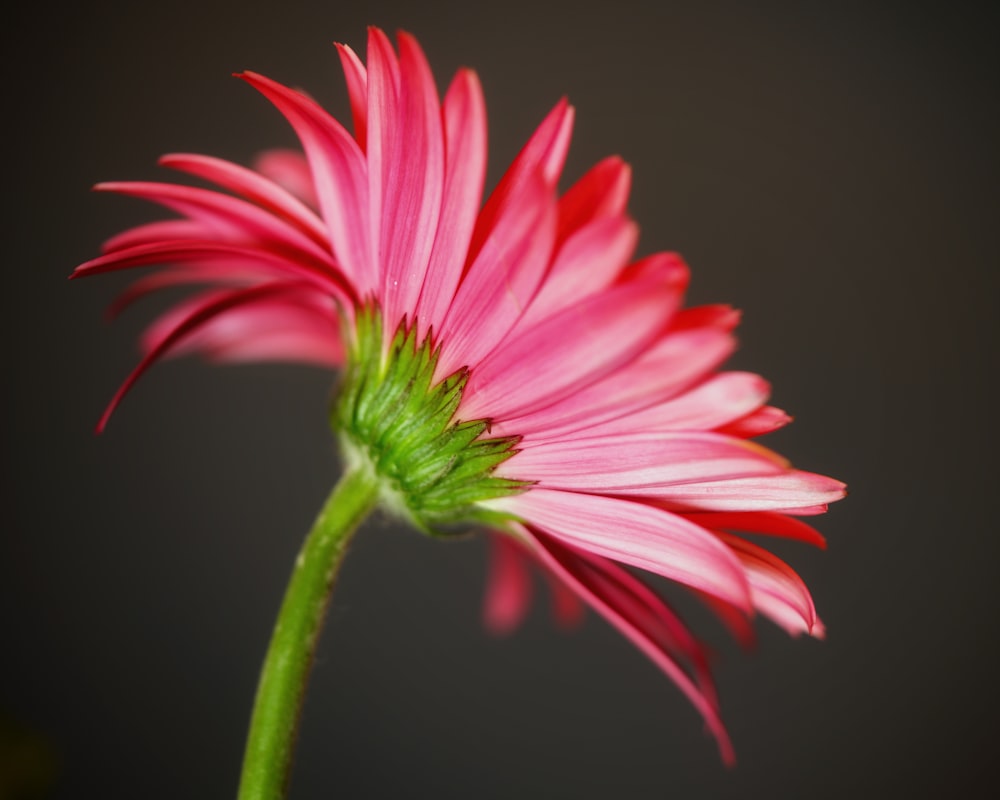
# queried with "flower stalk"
point(285, 673)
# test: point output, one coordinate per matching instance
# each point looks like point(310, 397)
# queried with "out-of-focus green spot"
point(28, 764)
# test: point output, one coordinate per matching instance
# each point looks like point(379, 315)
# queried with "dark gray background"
point(831, 169)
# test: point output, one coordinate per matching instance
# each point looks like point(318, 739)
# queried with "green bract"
point(393, 420)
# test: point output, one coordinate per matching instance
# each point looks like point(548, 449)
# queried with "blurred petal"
point(508, 585)
point(289, 169)
point(214, 305)
point(287, 327)
point(157, 232)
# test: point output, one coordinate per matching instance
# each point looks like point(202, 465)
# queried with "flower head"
point(505, 363)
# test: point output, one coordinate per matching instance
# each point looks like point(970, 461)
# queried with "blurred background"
point(830, 169)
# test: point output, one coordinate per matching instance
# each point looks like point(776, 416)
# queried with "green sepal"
point(394, 419)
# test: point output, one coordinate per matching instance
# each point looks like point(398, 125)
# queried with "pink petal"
point(289, 169)
point(254, 187)
point(229, 217)
point(217, 257)
point(793, 492)
point(543, 155)
point(602, 192)
point(776, 590)
point(676, 362)
point(720, 317)
point(639, 463)
point(357, 90)
point(586, 264)
point(567, 610)
point(768, 523)
point(809, 511)
point(383, 133)
point(508, 585)
point(286, 345)
point(573, 349)
point(642, 618)
point(503, 278)
point(635, 534)
point(412, 172)
point(716, 402)
point(464, 114)
point(339, 176)
point(763, 420)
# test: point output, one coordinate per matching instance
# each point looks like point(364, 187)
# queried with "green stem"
point(271, 741)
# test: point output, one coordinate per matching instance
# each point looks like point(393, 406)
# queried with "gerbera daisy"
point(506, 364)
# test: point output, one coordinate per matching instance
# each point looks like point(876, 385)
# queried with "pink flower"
point(607, 436)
